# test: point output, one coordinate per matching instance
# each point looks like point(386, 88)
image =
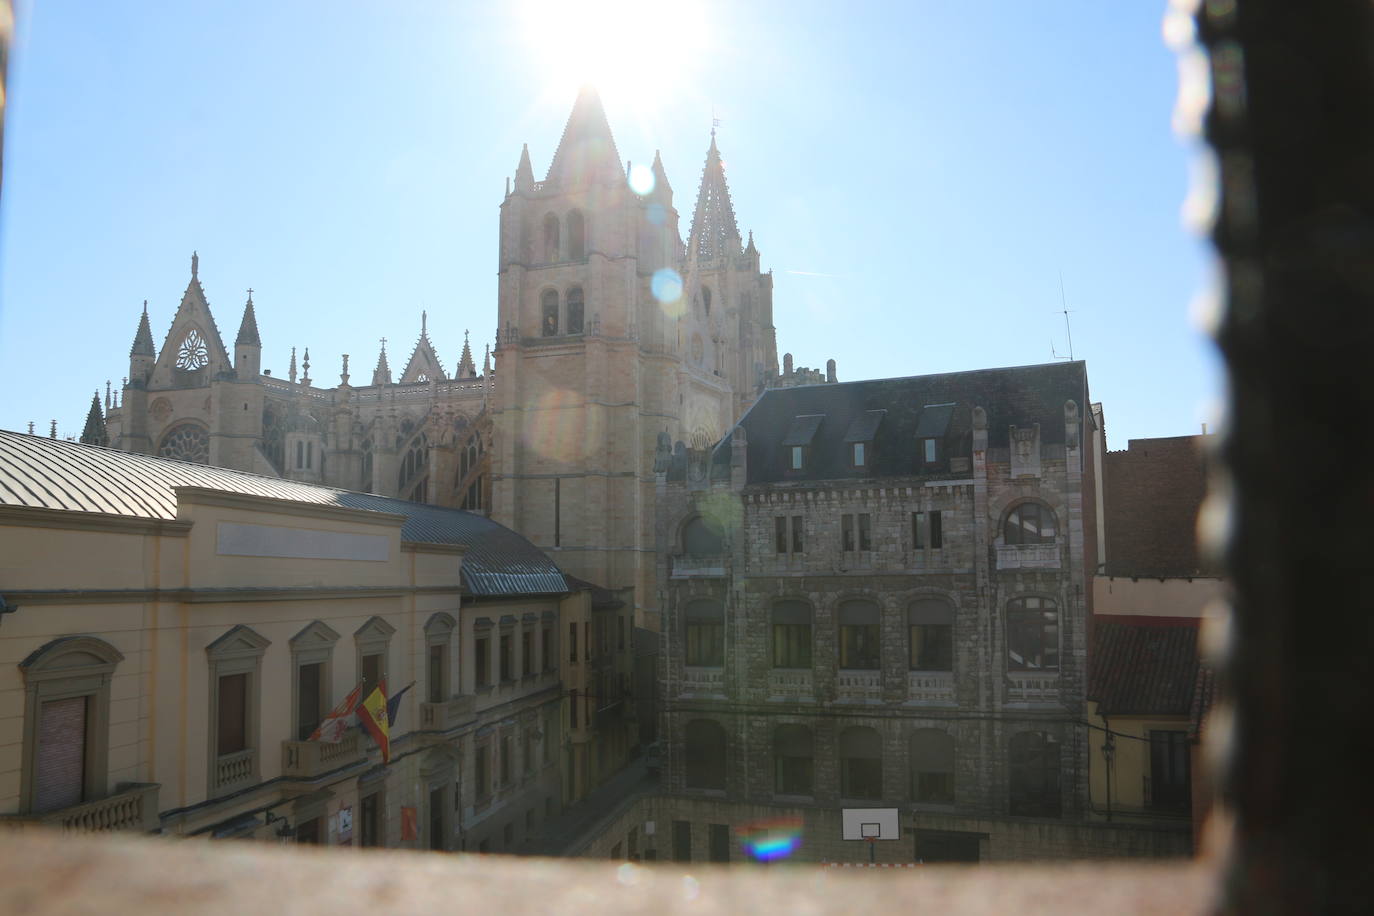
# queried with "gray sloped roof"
point(44, 473)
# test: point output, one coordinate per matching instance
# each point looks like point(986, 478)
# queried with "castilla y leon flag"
point(336, 724)
point(372, 715)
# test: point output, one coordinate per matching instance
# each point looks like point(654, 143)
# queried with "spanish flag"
point(372, 715)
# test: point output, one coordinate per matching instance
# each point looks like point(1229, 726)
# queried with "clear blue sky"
point(916, 174)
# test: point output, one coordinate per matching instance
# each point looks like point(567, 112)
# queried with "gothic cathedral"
point(610, 333)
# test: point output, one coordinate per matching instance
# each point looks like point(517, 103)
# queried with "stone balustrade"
point(1028, 556)
point(132, 807)
point(859, 686)
point(309, 759)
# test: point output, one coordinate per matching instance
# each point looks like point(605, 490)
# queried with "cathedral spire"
point(586, 153)
point(248, 327)
point(143, 337)
point(524, 172)
point(661, 185)
point(486, 361)
point(466, 369)
point(291, 372)
point(714, 231)
point(382, 374)
point(95, 432)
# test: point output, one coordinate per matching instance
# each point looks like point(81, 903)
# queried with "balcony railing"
point(309, 759)
point(449, 714)
point(787, 684)
point(1035, 687)
point(931, 687)
point(700, 681)
point(132, 807)
point(1027, 556)
point(854, 686)
point(236, 769)
point(688, 567)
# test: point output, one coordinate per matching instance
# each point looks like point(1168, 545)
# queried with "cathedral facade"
point(611, 331)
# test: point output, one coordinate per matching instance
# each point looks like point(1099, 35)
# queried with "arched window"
point(700, 538)
point(706, 299)
point(577, 236)
point(931, 623)
point(414, 464)
point(861, 763)
point(705, 626)
point(186, 442)
point(550, 238)
point(367, 466)
point(66, 722)
point(549, 311)
point(705, 754)
point(859, 631)
point(793, 760)
point(791, 634)
point(1033, 634)
point(575, 309)
point(932, 766)
point(1029, 523)
point(1033, 775)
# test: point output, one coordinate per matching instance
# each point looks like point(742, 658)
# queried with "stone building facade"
point(876, 594)
point(610, 330)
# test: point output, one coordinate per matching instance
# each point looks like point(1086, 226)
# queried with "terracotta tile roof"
point(1204, 693)
point(43, 473)
point(1143, 668)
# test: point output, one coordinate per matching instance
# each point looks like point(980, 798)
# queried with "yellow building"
point(173, 634)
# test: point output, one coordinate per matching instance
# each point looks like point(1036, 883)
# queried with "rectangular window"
point(682, 841)
point(435, 673)
point(791, 645)
point(865, 531)
point(918, 530)
point(310, 698)
point(859, 646)
point(929, 450)
point(557, 512)
point(505, 759)
point(480, 773)
point(572, 708)
point(527, 651)
point(932, 647)
point(798, 458)
point(233, 714)
point(780, 533)
point(936, 533)
point(547, 649)
point(1170, 779)
point(527, 751)
point(60, 759)
point(572, 643)
point(481, 661)
point(507, 661)
point(311, 831)
point(586, 640)
point(436, 819)
point(705, 642)
point(857, 456)
point(370, 820)
point(847, 533)
point(372, 671)
point(719, 841)
point(797, 534)
point(620, 634)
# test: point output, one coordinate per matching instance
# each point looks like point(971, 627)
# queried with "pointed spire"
point(466, 369)
point(143, 337)
point(382, 374)
point(524, 172)
point(750, 247)
point(107, 394)
point(95, 432)
point(586, 153)
point(305, 365)
point(661, 185)
point(248, 327)
point(714, 231)
point(486, 362)
point(291, 372)
point(343, 376)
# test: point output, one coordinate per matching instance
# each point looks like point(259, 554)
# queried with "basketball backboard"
point(871, 824)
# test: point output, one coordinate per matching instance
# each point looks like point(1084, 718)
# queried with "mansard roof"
point(937, 406)
point(42, 473)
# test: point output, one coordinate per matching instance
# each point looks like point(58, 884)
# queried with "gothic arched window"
point(186, 442)
point(549, 310)
point(577, 236)
point(367, 466)
point(550, 238)
point(575, 309)
point(706, 299)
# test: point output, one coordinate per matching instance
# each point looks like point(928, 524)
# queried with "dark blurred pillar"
point(1292, 123)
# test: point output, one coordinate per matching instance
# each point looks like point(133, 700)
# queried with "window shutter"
point(60, 765)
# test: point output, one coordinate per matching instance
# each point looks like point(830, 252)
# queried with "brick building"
point(876, 594)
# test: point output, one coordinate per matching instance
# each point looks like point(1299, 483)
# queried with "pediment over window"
point(239, 642)
point(440, 622)
point(72, 654)
point(374, 628)
point(316, 634)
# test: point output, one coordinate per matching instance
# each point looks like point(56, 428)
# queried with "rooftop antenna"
point(1068, 331)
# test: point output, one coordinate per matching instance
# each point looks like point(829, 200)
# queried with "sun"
point(641, 54)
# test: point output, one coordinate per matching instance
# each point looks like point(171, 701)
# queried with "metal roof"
point(43, 473)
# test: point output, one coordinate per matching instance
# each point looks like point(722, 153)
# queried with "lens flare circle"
point(666, 285)
point(642, 180)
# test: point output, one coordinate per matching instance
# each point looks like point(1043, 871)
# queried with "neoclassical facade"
point(876, 594)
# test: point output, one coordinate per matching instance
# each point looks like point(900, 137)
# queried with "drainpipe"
point(1109, 755)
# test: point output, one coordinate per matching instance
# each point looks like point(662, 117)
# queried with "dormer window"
point(930, 450)
point(859, 437)
point(930, 431)
point(797, 442)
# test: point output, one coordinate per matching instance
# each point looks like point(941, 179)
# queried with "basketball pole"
point(872, 850)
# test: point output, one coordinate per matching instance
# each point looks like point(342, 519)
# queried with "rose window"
point(193, 354)
point(186, 442)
